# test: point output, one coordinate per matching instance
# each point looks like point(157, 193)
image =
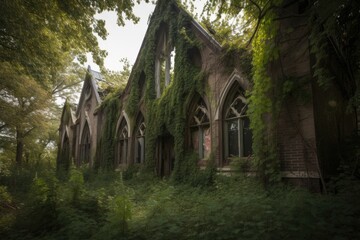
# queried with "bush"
point(205, 206)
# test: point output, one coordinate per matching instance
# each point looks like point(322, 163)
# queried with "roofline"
point(94, 87)
point(216, 45)
point(71, 117)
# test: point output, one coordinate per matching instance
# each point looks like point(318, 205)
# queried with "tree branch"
point(255, 31)
point(256, 5)
point(2, 126)
point(28, 132)
point(261, 15)
point(56, 90)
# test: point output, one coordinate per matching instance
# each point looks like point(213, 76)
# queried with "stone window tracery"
point(85, 145)
point(237, 133)
point(200, 130)
point(140, 140)
point(164, 62)
point(122, 146)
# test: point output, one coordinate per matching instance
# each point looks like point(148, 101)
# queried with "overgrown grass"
point(104, 206)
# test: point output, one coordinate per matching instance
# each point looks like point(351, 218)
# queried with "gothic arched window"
point(237, 133)
point(85, 145)
point(200, 129)
point(164, 62)
point(122, 146)
point(65, 153)
point(139, 139)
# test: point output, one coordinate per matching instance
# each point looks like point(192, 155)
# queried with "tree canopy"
point(38, 42)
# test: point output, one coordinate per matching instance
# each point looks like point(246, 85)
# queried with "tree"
point(38, 40)
point(335, 34)
point(333, 29)
point(117, 79)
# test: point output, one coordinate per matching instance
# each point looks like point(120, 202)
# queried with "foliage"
point(38, 42)
point(252, 22)
point(149, 208)
point(334, 39)
point(262, 107)
point(166, 115)
point(6, 208)
point(105, 155)
point(117, 79)
point(76, 183)
point(333, 33)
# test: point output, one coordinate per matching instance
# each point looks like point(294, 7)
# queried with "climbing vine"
point(262, 107)
point(105, 152)
point(167, 114)
point(64, 158)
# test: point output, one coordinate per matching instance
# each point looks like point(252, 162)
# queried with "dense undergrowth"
point(129, 205)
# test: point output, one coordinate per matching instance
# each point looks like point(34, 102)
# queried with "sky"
point(125, 42)
point(122, 42)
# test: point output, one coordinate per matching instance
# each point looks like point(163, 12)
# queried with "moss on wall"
point(167, 115)
point(105, 152)
point(264, 105)
point(64, 158)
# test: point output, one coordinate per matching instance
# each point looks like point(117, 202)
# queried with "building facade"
point(186, 96)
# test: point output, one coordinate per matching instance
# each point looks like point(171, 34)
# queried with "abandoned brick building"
point(184, 97)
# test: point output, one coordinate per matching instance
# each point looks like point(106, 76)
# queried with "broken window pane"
point(200, 130)
point(237, 132)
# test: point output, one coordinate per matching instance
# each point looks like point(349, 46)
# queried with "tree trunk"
point(19, 146)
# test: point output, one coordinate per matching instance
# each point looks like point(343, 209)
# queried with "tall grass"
point(85, 205)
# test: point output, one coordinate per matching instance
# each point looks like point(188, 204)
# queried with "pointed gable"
point(163, 7)
point(91, 88)
point(67, 116)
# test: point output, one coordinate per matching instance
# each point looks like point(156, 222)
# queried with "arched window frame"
point(237, 134)
point(139, 135)
point(164, 62)
point(65, 153)
point(199, 126)
point(85, 144)
point(122, 142)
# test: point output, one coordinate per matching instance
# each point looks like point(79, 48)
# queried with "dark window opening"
point(237, 132)
point(200, 132)
point(65, 153)
point(122, 145)
point(140, 140)
point(164, 63)
point(165, 155)
point(195, 57)
point(85, 145)
point(142, 84)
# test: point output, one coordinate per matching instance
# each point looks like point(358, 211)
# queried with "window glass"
point(200, 130)
point(247, 137)
point(233, 138)
point(85, 145)
point(237, 132)
point(140, 140)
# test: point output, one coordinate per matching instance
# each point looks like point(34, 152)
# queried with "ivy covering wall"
point(167, 114)
point(264, 104)
point(105, 152)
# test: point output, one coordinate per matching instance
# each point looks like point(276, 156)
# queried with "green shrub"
point(205, 206)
